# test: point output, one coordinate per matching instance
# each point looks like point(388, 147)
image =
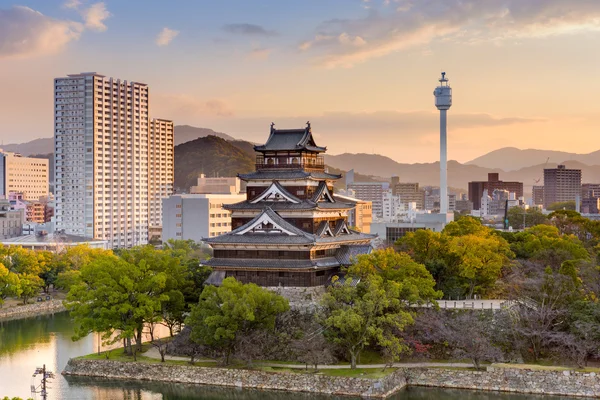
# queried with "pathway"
point(153, 353)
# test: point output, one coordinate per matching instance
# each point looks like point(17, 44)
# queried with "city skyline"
point(362, 71)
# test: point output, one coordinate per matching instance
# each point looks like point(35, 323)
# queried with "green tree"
point(233, 310)
point(20, 260)
point(9, 284)
point(466, 226)
point(30, 286)
point(562, 205)
point(531, 217)
point(370, 313)
point(416, 285)
point(481, 260)
point(116, 296)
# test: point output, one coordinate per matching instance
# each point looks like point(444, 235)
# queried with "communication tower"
point(443, 102)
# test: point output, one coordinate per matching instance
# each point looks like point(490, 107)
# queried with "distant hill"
point(187, 133)
point(512, 159)
point(37, 146)
point(210, 155)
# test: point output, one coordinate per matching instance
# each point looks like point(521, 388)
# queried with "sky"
point(524, 73)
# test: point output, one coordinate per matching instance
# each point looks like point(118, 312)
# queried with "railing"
point(317, 163)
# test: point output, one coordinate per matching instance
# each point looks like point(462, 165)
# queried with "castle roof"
point(290, 140)
point(270, 228)
point(269, 175)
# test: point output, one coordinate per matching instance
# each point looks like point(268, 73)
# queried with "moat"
point(28, 343)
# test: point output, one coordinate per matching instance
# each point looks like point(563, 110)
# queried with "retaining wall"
point(243, 378)
point(566, 383)
point(29, 310)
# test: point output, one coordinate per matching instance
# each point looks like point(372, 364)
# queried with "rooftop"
point(290, 140)
point(50, 238)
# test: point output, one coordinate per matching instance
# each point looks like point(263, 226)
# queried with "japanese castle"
point(290, 231)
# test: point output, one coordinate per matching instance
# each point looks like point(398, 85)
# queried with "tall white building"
point(161, 172)
point(25, 175)
point(102, 151)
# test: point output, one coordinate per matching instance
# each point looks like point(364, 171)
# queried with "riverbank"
point(499, 379)
point(32, 310)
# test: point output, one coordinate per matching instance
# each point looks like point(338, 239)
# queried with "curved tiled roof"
point(290, 139)
point(287, 175)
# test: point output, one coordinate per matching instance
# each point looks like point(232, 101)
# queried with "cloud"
point(248, 29)
point(166, 36)
point(183, 106)
point(26, 33)
point(407, 23)
point(260, 53)
point(94, 17)
point(74, 4)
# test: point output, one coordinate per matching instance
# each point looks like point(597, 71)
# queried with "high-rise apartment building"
point(537, 195)
point(103, 149)
point(161, 151)
point(561, 184)
point(476, 188)
point(25, 175)
point(409, 193)
point(369, 191)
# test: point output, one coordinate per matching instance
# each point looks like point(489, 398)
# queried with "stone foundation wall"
point(566, 383)
point(312, 383)
point(30, 310)
point(301, 298)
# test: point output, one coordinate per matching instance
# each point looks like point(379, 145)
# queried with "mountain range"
point(202, 150)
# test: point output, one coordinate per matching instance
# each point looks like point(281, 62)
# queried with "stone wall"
point(312, 383)
point(566, 383)
point(29, 310)
point(301, 298)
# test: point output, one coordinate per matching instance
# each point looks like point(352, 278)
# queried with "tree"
point(466, 226)
point(231, 310)
point(116, 296)
point(562, 205)
point(313, 349)
point(368, 313)
point(468, 334)
point(480, 261)
point(30, 286)
point(416, 285)
point(531, 217)
point(9, 284)
point(20, 260)
point(173, 311)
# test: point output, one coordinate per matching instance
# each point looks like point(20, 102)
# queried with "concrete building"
point(11, 221)
point(54, 242)
point(463, 206)
point(476, 188)
point(561, 184)
point(37, 212)
point(392, 231)
point(370, 191)
point(409, 193)
point(197, 216)
point(161, 150)
point(537, 195)
point(206, 185)
point(25, 175)
point(103, 149)
point(361, 216)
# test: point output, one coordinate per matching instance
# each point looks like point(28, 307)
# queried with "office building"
point(25, 175)
point(11, 221)
point(370, 191)
point(103, 152)
point(537, 195)
point(161, 151)
point(409, 193)
point(561, 184)
point(389, 232)
point(361, 216)
point(206, 185)
point(197, 216)
point(476, 188)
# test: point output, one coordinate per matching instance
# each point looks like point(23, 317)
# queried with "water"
point(28, 343)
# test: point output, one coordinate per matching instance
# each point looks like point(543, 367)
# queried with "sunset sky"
point(525, 73)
